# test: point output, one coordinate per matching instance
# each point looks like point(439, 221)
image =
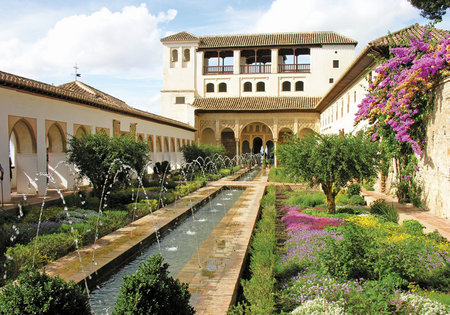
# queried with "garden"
point(33, 236)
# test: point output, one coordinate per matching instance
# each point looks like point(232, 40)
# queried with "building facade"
point(247, 91)
point(37, 120)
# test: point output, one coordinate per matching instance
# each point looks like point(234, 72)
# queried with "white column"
point(4, 158)
point(275, 60)
point(236, 61)
point(275, 160)
point(41, 155)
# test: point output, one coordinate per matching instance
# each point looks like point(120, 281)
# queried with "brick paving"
point(408, 212)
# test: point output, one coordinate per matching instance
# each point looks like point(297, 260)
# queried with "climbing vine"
point(400, 99)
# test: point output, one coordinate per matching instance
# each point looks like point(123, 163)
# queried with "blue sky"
point(116, 43)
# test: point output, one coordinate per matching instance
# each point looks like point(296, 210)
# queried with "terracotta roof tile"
point(262, 103)
point(81, 93)
point(178, 37)
point(257, 40)
point(276, 39)
point(403, 36)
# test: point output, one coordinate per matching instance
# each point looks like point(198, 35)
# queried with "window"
point(209, 88)
point(331, 80)
point(174, 55)
point(260, 87)
point(299, 86)
point(222, 87)
point(335, 63)
point(286, 86)
point(180, 100)
point(187, 55)
point(247, 87)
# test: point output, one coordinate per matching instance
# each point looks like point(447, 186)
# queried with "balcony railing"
point(256, 68)
point(218, 70)
point(306, 67)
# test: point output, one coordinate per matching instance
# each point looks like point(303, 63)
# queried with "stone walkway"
point(214, 282)
point(408, 212)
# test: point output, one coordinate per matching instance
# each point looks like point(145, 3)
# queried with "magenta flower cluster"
point(401, 80)
point(296, 220)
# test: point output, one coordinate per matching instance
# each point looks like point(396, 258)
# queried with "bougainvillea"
point(397, 97)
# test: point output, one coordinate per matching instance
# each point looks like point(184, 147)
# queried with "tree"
point(38, 293)
point(192, 152)
point(331, 161)
point(98, 157)
point(432, 9)
point(152, 291)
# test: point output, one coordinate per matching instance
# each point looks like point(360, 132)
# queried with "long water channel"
point(177, 247)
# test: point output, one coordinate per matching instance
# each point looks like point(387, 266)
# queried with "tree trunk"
point(331, 202)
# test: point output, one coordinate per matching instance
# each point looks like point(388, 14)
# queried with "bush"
point(342, 198)
point(357, 200)
point(305, 199)
point(92, 203)
point(354, 190)
point(348, 210)
point(38, 293)
point(48, 214)
point(152, 291)
point(413, 227)
point(48, 248)
point(144, 207)
point(380, 207)
point(24, 233)
point(162, 168)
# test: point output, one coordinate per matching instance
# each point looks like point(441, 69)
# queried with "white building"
point(230, 86)
point(38, 118)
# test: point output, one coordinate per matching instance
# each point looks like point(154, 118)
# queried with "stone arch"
point(80, 132)
point(208, 136)
point(174, 55)
point(242, 127)
point(56, 141)
point(305, 132)
point(283, 134)
point(186, 54)
point(257, 145)
point(227, 139)
point(24, 137)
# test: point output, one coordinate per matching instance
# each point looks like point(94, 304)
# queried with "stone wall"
point(434, 174)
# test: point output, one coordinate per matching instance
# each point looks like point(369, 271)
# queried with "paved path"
point(213, 283)
point(408, 212)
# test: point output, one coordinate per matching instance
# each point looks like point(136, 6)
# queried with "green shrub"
point(38, 293)
point(259, 289)
point(354, 190)
point(413, 227)
point(380, 207)
point(357, 200)
point(349, 210)
point(152, 291)
point(48, 248)
point(369, 184)
point(144, 207)
point(76, 215)
point(92, 203)
point(306, 199)
point(342, 198)
point(161, 168)
point(74, 200)
point(48, 214)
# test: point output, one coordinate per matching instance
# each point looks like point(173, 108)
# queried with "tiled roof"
point(81, 93)
point(181, 36)
point(82, 88)
point(256, 40)
point(260, 103)
point(403, 36)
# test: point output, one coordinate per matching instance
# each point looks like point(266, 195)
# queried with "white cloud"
point(361, 20)
point(124, 43)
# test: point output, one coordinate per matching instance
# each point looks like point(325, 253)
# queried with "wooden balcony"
point(305, 68)
point(256, 68)
point(218, 70)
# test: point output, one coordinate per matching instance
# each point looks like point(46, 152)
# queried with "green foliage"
point(152, 291)
point(278, 174)
point(45, 249)
point(38, 293)
point(330, 160)
point(354, 190)
point(161, 168)
point(413, 227)
point(382, 208)
point(369, 184)
point(193, 152)
point(96, 156)
point(141, 208)
point(259, 289)
point(431, 9)
point(48, 214)
point(357, 200)
point(304, 199)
